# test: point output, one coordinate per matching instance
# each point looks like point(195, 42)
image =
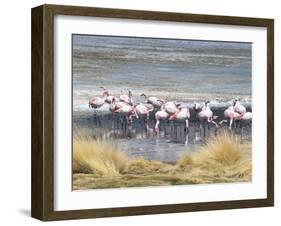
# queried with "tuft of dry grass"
point(142, 166)
point(100, 157)
point(222, 159)
point(222, 150)
point(186, 161)
point(99, 163)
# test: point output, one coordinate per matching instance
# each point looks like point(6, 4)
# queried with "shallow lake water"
point(137, 140)
point(186, 71)
point(181, 70)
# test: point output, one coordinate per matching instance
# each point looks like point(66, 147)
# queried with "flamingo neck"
point(145, 97)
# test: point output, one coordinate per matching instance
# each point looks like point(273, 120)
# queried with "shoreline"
point(100, 164)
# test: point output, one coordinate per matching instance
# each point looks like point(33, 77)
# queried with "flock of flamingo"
point(169, 110)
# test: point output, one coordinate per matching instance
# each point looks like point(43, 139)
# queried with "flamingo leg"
point(241, 130)
point(165, 131)
point(99, 121)
point(145, 124)
point(186, 138)
point(200, 129)
point(222, 121)
point(118, 122)
point(235, 126)
point(123, 119)
point(146, 127)
point(157, 126)
point(230, 123)
point(216, 124)
point(186, 129)
point(129, 119)
point(95, 117)
point(240, 116)
point(173, 116)
point(204, 130)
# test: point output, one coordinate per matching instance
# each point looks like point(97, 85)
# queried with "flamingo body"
point(183, 114)
point(126, 98)
point(240, 109)
point(143, 110)
point(109, 99)
point(156, 102)
point(247, 116)
point(170, 107)
point(96, 102)
point(204, 113)
point(116, 105)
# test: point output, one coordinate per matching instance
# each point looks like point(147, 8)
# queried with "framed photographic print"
point(141, 112)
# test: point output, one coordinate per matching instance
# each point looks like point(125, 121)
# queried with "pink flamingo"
point(115, 104)
point(108, 98)
point(142, 110)
point(167, 109)
point(244, 120)
point(156, 102)
point(170, 107)
point(247, 116)
point(182, 115)
point(126, 98)
point(205, 115)
point(123, 108)
point(128, 111)
point(96, 102)
point(231, 116)
point(238, 107)
point(160, 115)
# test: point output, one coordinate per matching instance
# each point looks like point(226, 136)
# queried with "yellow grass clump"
point(143, 166)
point(224, 149)
point(99, 163)
point(100, 157)
point(186, 161)
point(222, 159)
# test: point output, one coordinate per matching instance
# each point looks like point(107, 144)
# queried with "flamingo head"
point(162, 101)
point(235, 101)
point(90, 103)
point(197, 107)
point(143, 95)
point(215, 117)
point(134, 113)
point(105, 93)
point(130, 93)
point(113, 100)
point(150, 107)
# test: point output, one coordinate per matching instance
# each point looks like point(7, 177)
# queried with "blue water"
point(160, 67)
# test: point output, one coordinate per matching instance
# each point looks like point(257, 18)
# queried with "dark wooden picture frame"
point(42, 203)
